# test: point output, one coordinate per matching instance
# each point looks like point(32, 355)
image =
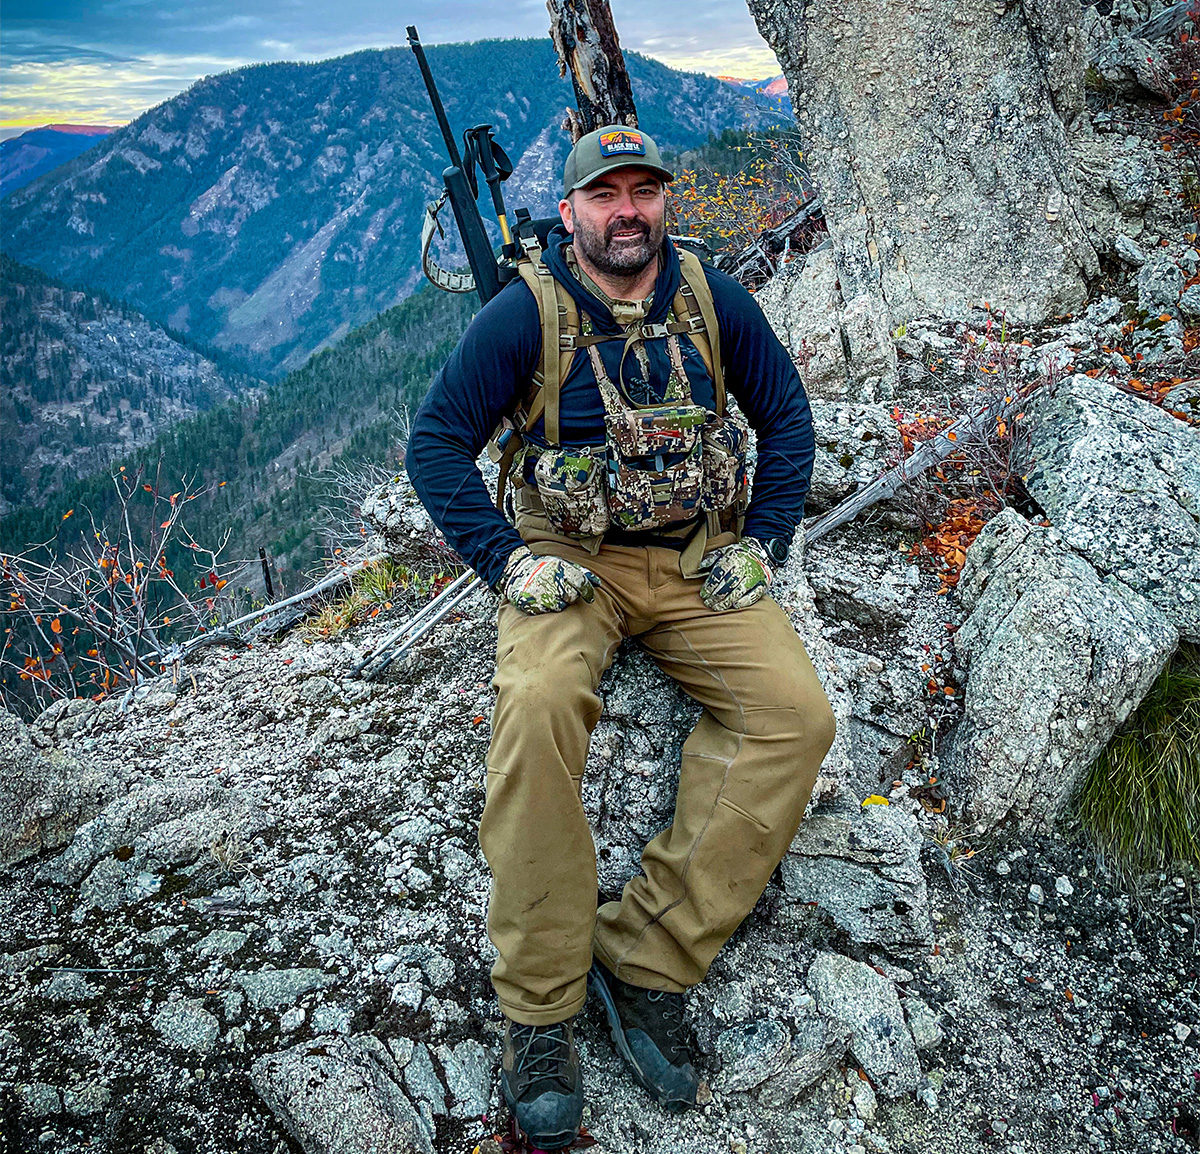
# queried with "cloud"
point(114, 91)
point(41, 52)
point(747, 60)
point(228, 24)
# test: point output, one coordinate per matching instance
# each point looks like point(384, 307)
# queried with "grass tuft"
point(371, 590)
point(1140, 803)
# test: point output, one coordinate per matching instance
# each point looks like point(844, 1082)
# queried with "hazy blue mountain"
point(269, 210)
point(83, 380)
point(26, 157)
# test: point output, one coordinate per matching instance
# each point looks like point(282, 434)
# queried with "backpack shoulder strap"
point(559, 317)
point(695, 298)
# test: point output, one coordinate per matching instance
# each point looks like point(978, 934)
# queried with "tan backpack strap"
point(551, 362)
point(697, 283)
point(568, 342)
point(560, 331)
point(530, 272)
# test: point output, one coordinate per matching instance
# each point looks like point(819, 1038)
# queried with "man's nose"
point(625, 205)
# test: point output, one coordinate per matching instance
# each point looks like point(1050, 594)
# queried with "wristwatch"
point(777, 549)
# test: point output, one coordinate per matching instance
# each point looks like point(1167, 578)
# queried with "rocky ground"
point(245, 910)
point(267, 931)
point(285, 901)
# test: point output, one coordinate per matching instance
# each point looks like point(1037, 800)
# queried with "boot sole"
point(599, 987)
point(546, 1142)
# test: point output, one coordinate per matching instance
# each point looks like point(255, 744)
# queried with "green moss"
point(1140, 803)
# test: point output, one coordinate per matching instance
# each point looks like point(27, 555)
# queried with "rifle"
point(487, 275)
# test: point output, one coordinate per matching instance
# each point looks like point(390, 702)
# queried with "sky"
point(81, 62)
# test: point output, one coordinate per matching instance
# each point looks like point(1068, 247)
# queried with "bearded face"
point(618, 221)
point(624, 245)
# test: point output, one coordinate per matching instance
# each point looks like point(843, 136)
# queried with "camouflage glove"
point(738, 575)
point(545, 584)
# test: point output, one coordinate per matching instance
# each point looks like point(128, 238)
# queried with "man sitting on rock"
point(629, 497)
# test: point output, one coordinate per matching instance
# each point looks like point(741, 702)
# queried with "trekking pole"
point(429, 614)
point(425, 627)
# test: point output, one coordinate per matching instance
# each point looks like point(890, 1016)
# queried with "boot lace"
point(542, 1053)
point(670, 1009)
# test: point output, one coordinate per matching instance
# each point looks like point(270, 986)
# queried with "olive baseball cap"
point(607, 149)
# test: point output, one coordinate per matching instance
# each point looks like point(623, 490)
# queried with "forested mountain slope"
point(269, 210)
point(341, 407)
point(85, 379)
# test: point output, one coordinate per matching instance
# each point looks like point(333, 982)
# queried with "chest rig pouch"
point(659, 464)
point(665, 463)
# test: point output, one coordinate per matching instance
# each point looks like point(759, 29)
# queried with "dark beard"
point(624, 259)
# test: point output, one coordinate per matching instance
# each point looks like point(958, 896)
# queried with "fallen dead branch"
point(969, 429)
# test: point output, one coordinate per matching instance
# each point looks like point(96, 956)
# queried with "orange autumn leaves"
point(734, 209)
point(963, 517)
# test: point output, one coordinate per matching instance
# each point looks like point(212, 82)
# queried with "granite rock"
point(1057, 657)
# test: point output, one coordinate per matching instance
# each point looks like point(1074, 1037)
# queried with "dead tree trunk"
point(939, 134)
point(586, 41)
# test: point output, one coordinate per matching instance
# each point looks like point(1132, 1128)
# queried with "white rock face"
point(43, 795)
point(1057, 658)
point(940, 194)
point(1120, 479)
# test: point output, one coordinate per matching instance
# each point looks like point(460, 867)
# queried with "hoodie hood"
point(665, 287)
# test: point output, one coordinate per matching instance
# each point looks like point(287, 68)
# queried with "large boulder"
point(44, 796)
point(940, 139)
point(1120, 480)
point(1057, 657)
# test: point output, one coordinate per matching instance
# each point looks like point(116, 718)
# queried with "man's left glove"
point(545, 584)
point(738, 575)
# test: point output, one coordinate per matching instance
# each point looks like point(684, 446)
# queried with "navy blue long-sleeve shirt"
point(490, 369)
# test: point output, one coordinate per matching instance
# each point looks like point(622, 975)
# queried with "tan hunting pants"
point(747, 771)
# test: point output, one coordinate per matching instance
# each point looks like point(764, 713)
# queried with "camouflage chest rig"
point(674, 471)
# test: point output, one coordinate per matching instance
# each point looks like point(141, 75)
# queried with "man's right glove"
point(738, 575)
point(545, 584)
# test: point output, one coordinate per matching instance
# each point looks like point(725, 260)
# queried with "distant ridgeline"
point(26, 157)
point(339, 409)
point(269, 210)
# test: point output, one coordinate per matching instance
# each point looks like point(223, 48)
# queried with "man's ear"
point(566, 211)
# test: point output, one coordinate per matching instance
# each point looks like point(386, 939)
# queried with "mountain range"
point(275, 449)
point(26, 157)
point(269, 210)
point(773, 87)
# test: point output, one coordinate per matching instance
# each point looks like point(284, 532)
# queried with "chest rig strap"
point(561, 337)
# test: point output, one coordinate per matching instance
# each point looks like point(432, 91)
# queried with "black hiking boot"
point(542, 1083)
point(647, 1029)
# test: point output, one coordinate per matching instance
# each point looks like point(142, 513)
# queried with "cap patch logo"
point(622, 143)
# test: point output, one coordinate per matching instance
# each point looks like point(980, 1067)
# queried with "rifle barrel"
point(414, 42)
